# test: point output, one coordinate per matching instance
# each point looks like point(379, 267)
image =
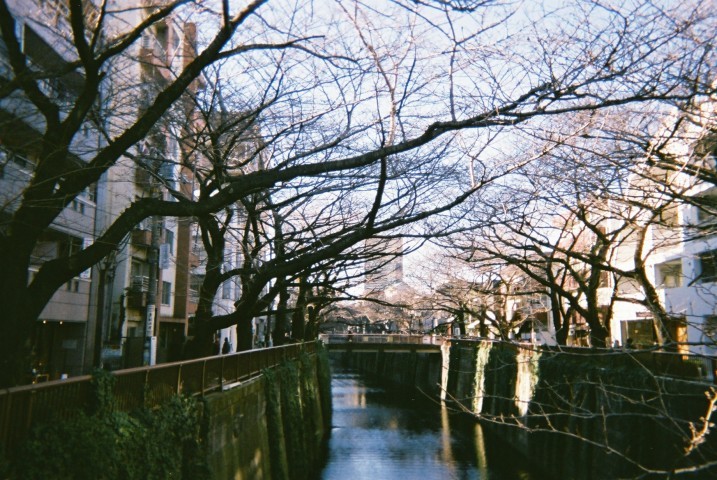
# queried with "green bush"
point(163, 443)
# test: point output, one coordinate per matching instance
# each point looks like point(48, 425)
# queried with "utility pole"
point(107, 268)
point(150, 340)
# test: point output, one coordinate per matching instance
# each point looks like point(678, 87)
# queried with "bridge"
point(358, 342)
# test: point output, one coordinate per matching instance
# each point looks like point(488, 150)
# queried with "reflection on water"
point(379, 434)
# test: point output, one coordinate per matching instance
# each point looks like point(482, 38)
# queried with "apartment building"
point(145, 285)
point(680, 252)
point(60, 336)
point(240, 152)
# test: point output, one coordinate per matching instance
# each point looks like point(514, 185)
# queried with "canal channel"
point(382, 433)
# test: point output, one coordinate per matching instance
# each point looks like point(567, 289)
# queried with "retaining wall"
point(409, 369)
point(271, 427)
point(593, 415)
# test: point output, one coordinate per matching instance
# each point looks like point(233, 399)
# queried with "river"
point(382, 434)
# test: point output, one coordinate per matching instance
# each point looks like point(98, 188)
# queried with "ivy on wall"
point(170, 441)
point(275, 425)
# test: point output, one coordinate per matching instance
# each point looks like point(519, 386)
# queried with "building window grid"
point(169, 240)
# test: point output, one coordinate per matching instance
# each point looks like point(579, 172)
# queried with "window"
point(169, 240)
point(92, 192)
point(709, 329)
point(669, 274)
point(81, 208)
point(641, 332)
point(73, 285)
point(70, 245)
point(227, 290)
point(708, 266)
point(166, 293)
point(706, 216)
point(706, 207)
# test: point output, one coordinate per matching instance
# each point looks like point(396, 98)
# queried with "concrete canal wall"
point(408, 369)
point(271, 427)
point(587, 415)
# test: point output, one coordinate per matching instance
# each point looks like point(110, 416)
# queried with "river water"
point(382, 434)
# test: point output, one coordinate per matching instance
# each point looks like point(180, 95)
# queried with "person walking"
point(227, 346)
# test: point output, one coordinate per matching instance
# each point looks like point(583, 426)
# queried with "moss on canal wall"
point(580, 414)
point(282, 423)
point(271, 427)
point(592, 415)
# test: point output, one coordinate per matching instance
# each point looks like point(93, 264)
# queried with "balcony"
point(140, 283)
point(141, 238)
point(137, 292)
point(136, 299)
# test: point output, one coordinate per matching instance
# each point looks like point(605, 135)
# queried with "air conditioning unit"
point(140, 283)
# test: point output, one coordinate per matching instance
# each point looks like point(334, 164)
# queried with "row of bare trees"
point(415, 119)
point(582, 224)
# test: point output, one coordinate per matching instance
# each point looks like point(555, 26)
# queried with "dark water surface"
point(382, 434)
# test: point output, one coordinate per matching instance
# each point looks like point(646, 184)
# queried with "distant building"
point(384, 269)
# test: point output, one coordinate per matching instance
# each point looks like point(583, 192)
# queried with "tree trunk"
point(15, 333)
point(561, 322)
point(311, 332)
point(460, 321)
point(18, 319)
point(281, 329)
point(297, 318)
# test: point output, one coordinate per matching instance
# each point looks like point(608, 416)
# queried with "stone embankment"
point(586, 414)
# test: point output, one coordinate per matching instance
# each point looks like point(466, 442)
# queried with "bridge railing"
point(340, 338)
point(23, 406)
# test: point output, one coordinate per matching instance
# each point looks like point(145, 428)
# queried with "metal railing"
point(22, 407)
point(341, 338)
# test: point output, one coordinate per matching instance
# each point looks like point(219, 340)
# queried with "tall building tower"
point(384, 268)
